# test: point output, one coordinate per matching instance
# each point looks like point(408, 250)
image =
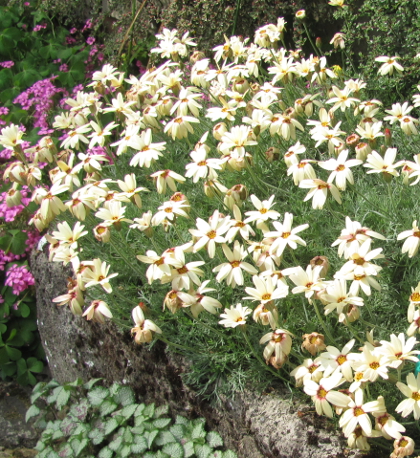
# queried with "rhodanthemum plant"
point(186, 188)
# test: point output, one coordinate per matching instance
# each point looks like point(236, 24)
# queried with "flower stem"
point(310, 40)
point(254, 352)
point(322, 323)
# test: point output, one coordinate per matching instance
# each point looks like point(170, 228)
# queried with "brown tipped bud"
point(272, 154)
point(219, 130)
point(388, 137)
point(196, 56)
point(313, 342)
point(321, 261)
point(255, 87)
point(352, 140)
point(318, 42)
point(172, 301)
point(362, 151)
point(102, 233)
point(301, 14)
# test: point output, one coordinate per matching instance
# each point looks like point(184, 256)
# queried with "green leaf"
point(80, 410)
point(178, 431)
point(174, 450)
point(124, 396)
point(151, 436)
point(125, 451)
point(97, 395)
point(198, 431)
point(188, 449)
point(110, 425)
point(24, 310)
point(180, 420)
point(165, 437)
point(13, 353)
point(106, 452)
point(62, 398)
point(107, 407)
point(96, 436)
point(66, 451)
point(214, 439)
point(35, 365)
point(116, 444)
point(202, 451)
point(149, 410)
point(139, 444)
point(161, 423)
point(229, 454)
point(162, 410)
point(129, 410)
point(33, 411)
point(89, 385)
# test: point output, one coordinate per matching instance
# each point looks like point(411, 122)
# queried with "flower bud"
point(301, 14)
point(313, 342)
point(318, 42)
point(352, 140)
point(272, 154)
point(320, 261)
point(219, 130)
point(388, 137)
point(172, 301)
point(196, 56)
point(102, 233)
point(362, 151)
point(351, 312)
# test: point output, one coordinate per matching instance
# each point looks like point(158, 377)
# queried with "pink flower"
point(90, 40)
point(73, 30)
point(19, 278)
point(7, 64)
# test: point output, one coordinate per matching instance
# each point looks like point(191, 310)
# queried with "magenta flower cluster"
point(9, 213)
point(40, 98)
point(19, 278)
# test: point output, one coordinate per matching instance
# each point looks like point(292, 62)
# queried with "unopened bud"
point(272, 154)
point(352, 140)
point(318, 42)
point(219, 130)
point(301, 14)
point(313, 342)
point(388, 137)
point(102, 233)
point(321, 261)
point(362, 151)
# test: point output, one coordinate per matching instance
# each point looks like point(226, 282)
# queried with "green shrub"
point(89, 420)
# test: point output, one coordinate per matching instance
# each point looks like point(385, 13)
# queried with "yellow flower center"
point(178, 120)
point(266, 297)
point(312, 369)
point(358, 411)
point(202, 163)
point(168, 210)
point(183, 270)
point(285, 235)
point(415, 297)
point(341, 359)
point(374, 365)
point(322, 393)
point(402, 443)
point(359, 277)
point(235, 264)
point(263, 211)
point(159, 262)
point(211, 234)
point(239, 224)
point(416, 234)
point(415, 395)
point(359, 261)
point(340, 168)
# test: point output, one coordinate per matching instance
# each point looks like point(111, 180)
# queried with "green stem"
point(310, 40)
point(353, 331)
point(254, 352)
point(235, 20)
point(120, 251)
point(173, 344)
point(322, 323)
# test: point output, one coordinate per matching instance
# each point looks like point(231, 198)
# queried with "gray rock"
point(254, 425)
point(14, 402)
